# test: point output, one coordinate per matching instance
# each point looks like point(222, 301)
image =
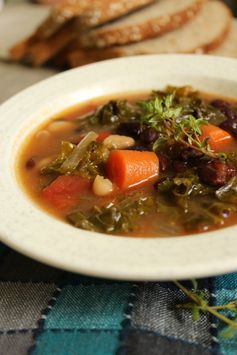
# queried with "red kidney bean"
point(164, 162)
point(180, 166)
point(216, 173)
point(225, 108)
point(139, 148)
point(230, 124)
point(148, 135)
point(30, 164)
point(190, 154)
point(131, 129)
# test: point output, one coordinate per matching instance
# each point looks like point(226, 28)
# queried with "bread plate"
point(29, 230)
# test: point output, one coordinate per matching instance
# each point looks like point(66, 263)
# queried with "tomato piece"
point(102, 135)
point(64, 192)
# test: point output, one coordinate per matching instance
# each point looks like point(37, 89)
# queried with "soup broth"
point(154, 164)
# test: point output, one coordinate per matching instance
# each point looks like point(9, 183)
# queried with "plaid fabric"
point(45, 311)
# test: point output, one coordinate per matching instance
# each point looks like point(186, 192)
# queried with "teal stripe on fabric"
point(76, 343)
point(228, 282)
point(227, 346)
point(89, 307)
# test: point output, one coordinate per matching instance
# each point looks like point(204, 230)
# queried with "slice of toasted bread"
point(206, 31)
point(229, 47)
point(158, 18)
point(41, 51)
point(17, 52)
point(90, 13)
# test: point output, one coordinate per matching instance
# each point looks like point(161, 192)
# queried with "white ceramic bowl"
point(26, 228)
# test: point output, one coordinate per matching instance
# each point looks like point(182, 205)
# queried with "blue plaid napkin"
point(45, 311)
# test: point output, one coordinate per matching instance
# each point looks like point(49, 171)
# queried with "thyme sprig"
point(199, 303)
point(166, 116)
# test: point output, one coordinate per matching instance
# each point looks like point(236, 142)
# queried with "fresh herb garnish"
point(199, 303)
point(166, 116)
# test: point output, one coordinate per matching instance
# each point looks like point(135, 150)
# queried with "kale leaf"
point(228, 192)
point(86, 159)
point(111, 114)
point(118, 216)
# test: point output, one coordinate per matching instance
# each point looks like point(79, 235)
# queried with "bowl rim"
point(44, 238)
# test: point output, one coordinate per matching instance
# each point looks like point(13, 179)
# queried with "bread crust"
point(81, 57)
point(40, 52)
point(228, 48)
point(208, 47)
point(89, 13)
point(120, 35)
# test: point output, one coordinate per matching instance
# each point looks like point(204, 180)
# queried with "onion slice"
point(75, 157)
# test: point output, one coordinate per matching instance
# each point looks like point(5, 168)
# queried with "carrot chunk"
point(218, 139)
point(127, 168)
point(64, 192)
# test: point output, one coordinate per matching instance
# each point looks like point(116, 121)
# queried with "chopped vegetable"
point(173, 124)
point(118, 216)
point(93, 161)
point(88, 161)
point(208, 213)
point(228, 193)
point(64, 192)
point(127, 168)
point(111, 114)
point(76, 155)
point(216, 138)
point(102, 135)
point(195, 203)
point(70, 156)
point(171, 157)
point(183, 187)
point(55, 165)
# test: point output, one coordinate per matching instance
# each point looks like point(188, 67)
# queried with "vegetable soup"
point(155, 165)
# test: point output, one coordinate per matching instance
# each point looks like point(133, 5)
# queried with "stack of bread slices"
point(79, 32)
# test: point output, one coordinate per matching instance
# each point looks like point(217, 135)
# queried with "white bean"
point(102, 186)
point(119, 142)
point(43, 137)
point(60, 126)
